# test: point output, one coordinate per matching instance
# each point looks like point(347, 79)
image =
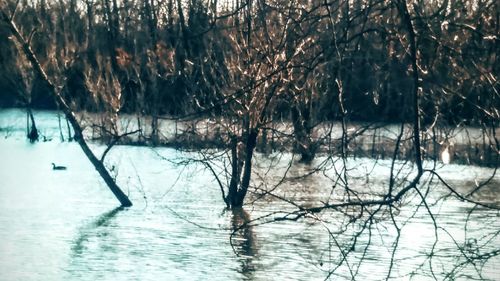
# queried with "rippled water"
point(64, 225)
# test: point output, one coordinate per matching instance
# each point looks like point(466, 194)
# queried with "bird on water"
point(55, 167)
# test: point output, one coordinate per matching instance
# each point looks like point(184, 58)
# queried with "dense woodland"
point(302, 60)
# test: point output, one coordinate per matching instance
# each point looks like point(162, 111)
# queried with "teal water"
point(65, 225)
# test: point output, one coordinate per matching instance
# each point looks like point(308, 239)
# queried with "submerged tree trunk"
point(99, 166)
point(32, 130)
point(241, 154)
point(243, 237)
point(304, 144)
point(60, 126)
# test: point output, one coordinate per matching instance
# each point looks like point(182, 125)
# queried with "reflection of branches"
point(243, 240)
point(88, 230)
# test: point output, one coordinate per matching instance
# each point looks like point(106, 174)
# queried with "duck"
point(55, 167)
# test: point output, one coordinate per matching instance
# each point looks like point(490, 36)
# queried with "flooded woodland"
point(249, 140)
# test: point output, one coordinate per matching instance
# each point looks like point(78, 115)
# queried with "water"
point(64, 225)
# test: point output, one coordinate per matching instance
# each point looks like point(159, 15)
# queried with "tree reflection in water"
point(243, 241)
point(89, 230)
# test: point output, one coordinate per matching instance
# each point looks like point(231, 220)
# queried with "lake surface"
point(64, 225)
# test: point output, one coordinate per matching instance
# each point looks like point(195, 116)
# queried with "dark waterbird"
point(55, 167)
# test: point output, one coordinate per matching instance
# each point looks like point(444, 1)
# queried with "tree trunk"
point(247, 170)
point(235, 173)
point(184, 30)
point(112, 34)
point(33, 131)
point(415, 102)
point(99, 166)
point(61, 136)
point(303, 141)
point(241, 169)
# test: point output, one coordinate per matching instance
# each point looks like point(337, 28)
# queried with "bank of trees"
point(170, 57)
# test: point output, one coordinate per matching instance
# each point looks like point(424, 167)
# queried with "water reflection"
point(86, 232)
point(243, 241)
